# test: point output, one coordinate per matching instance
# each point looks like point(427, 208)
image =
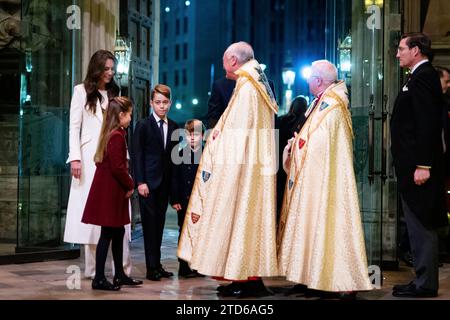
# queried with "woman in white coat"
point(89, 101)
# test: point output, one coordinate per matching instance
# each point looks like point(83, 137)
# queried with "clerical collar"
point(158, 118)
point(320, 95)
point(418, 65)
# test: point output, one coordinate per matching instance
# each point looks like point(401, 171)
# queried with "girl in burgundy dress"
point(108, 201)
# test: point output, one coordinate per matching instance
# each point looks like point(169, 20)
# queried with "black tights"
point(108, 235)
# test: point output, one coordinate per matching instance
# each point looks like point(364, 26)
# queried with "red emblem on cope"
point(301, 143)
point(215, 134)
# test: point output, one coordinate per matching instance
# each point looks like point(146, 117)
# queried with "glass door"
point(46, 77)
point(361, 40)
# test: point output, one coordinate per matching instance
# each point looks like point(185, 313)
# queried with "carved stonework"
point(10, 11)
point(437, 26)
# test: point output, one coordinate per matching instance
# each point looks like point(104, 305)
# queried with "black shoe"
point(222, 287)
point(198, 275)
point(297, 289)
point(164, 273)
point(187, 275)
point(399, 287)
point(254, 289)
point(126, 281)
point(413, 292)
point(153, 274)
point(234, 289)
point(346, 296)
point(104, 284)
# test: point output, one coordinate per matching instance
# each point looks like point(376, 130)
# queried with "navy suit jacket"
point(221, 92)
point(151, 162)
point(184, 174)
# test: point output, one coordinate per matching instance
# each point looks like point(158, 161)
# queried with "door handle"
point(384, 117)
point(371, 139)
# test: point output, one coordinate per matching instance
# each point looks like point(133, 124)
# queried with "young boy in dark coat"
point(185, 172)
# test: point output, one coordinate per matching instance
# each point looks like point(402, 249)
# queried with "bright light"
point(178, 106)
point(306, 72)
point(263, 66)
point(187, 3)
point(28, 98)
point(288, 77)
point(167, 9)
point(346, 67)
point(195, 102)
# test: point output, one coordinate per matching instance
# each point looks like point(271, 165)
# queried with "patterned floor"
point(55, 280)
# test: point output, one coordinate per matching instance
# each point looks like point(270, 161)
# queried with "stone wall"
point(9, 139)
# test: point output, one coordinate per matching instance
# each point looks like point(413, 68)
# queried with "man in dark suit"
point(152, 146)
point(417, 150)
point(221, 92)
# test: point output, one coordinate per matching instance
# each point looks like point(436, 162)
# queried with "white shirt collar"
point(158, 118)
point(418, 64)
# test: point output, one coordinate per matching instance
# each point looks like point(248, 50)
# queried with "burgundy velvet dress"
point(106, 204)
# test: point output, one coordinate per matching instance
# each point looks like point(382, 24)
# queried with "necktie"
point(161, 130)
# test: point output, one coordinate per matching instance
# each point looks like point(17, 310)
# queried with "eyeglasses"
point(159, 102)
point(319, 77)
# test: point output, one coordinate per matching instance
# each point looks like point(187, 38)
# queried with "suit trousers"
point(425, 250)
point(153, 216)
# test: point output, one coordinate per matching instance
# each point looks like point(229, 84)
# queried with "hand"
point(421, 175)
point(177, 206)
point(289, 144)
point(129, 193)
point(143, 190)
point(75, 169)
point(194, 217)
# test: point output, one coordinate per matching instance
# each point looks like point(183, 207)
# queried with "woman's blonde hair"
point(111, 122)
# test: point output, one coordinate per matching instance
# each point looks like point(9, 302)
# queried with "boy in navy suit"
point(152, 146)
point(185, 171)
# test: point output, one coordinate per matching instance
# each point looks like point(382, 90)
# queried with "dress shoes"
point(104, 284)
point(249, 289)
point(297, 289)
point(126, 281)
point(254, 289)
point(186, 272)
point(198, 275)
point(346, 296)
point(399, 287)
point(153, 274)
point(164, 273)
point(230, 290)
point(410, 291)
point(187, 275)
point(331, 295)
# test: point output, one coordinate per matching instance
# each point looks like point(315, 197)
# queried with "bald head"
point(325, 69)
point(235, 56)
point(323, 74)
point(241, 50)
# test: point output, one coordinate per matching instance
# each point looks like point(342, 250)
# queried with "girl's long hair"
point(111, 122)
point(95, 71)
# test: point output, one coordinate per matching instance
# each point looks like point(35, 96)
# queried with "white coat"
point(84, 132)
